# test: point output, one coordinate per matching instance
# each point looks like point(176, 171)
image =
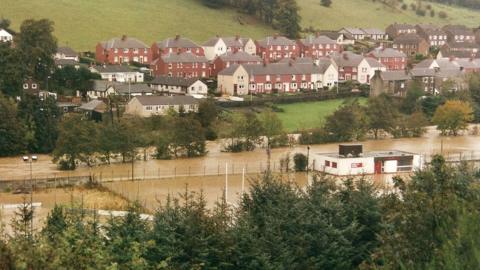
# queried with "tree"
point(453, 116)
point(300, 161)
point(410, 103)
point(326, 3)
point(12, 139)
point(76, 142)
point(37, 45)
point(214, 3)
point(271, 125)
point(187, 138)
point(207, 115)
point(347, 123)
point(287, 18)
point(382, 114)
point(12, 70)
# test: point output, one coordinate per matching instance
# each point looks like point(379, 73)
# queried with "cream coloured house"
point(233, 80)
point(146, 106)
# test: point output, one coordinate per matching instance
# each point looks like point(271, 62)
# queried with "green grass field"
point(82, 23)
point(308, 115)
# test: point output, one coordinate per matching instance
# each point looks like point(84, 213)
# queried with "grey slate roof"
point(347, 59)
point(425, 63)
point(387, 52)
point(275, 41)
point(185, 57)
point(135, 88)
point(353, 31)
point(430, 29)
point(374, 63)
point(373, 31)
point(66, 62)
point(283, 68)
point(297, 60)
point(177, 42)
point(173, 81)
point(166, 100)
point(240, 56)
point(67, 51)
point(395, 75)
point(334, 34)
point(124, 43)
point(422, 72)
point(458, 30)
point(233, 41)
point(310, 40)
point(407, 39)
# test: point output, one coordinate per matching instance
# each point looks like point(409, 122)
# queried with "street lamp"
point(308, 156)
point(30, 160)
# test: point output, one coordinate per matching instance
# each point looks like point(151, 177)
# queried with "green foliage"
point(453, 116)
point(411, 101)
point(326, 3)
point(300, 161)
point(12, 138)
point(244, 132)
point(70, 78)
point(347, 123)
point(272, 128)
point(12, 70)
point(382, 114)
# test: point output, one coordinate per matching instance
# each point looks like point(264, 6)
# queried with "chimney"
point(317, 34)
point(275, 36)
point(177, 37)
point(237, 37)
point(124, 37)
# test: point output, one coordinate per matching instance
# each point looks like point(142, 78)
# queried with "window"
point(125, 50)
point(148, 108)
point(135, 51)
point(25, 86)
point(327, 163)
point(279, 48)
point(334, 165)
point(286, 48)
point(293, 77)
point(293, 85)
point(34, 86)
point(267, 78)
point(115, 51)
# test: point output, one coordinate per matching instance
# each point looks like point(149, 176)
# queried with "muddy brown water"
point(215, 162)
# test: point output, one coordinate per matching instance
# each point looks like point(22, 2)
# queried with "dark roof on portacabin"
point(166, 100)
point(173, 81)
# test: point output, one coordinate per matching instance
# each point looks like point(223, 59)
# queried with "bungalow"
point(392, 59)
point(123, 50)
point(178, 85)
point(66, 53)
point(389, 82)
point(94, 109)
point(434, 35)
point(340, 38)
point(118, 73)
point(185, 64)
point(374, 34)
point(5, 36)
point(459, 33)
point(318, 46)
point(146, 106)
point(235, 57)
point(356, 33)
point(101, 89)
point(411, 44)
point(274, 48)
point(397, 29)
point(175, 45)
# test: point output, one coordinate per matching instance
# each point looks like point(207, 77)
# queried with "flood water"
point(216, 161)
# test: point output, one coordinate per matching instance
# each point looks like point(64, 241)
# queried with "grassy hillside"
point(81, 23)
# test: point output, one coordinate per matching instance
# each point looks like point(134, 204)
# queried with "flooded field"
point(215, 162)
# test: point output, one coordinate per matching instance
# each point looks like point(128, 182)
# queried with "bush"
point(420, 12)
point(432, 13)
point(326, 3)
point(404, 6)
point(413, 6)
point(442, 15)
point(300, 161)
point(316, 136)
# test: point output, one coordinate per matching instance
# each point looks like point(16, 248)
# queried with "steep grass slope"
point(82, 23)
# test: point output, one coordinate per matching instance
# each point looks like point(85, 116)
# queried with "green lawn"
point(307, 115)
point(82, 23)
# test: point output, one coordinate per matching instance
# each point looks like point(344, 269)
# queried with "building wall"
point(318, 50)
point(134, 107)
point(123, 76)
point(226, 83)
point(119, 56)
point(276, 53)
point(345, 166)
point(213, 51)
point(157, 52)
point(250, 47)
point(198, 88)
point(181, 69)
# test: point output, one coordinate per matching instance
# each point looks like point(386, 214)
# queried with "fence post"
point(233, 168)
point(204, 170)
point(218, 169)
point(175, 172)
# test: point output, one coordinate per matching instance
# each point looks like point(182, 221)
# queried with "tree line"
point(429, 221)
point(280, 14)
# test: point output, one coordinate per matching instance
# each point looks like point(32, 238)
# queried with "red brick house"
point(231, 58)
point(459, 33)
point(318, 46)
point(397, 29)
point(411, 44)
point(175, 45)
point(123, 50)
point(275, 48)
point(392, 59)
point(185, 65)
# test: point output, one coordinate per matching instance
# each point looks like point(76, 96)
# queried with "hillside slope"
point(81, 24)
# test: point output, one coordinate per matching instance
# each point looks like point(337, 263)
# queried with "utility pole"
point(226, 182)
point(308, 159)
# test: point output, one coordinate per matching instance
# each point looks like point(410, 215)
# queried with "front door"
point(235, 86)
point(378, 167)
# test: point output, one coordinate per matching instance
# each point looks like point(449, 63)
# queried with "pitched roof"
point(297, 60)
point(166, 100)
point(125, 89)
point(408, 39)
point(233, 41)
point(173, 81)
point(402, 26)
point(386, 52)
point(373, 31)
point(185, 57)
point(427, 63)
point(372, 62)
point(422, 72)
point(177, 42)
point(430, 29)
point(458, 30)
point(67, 51)
point(102, 85)
point(123, 43)
point(346, 59)
point(275, 41)
point(311, 40)
point(240, 56)
point(289, 68)
point(334, 34)
point(66, 62)
point(395, 75)
point(353, 31)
